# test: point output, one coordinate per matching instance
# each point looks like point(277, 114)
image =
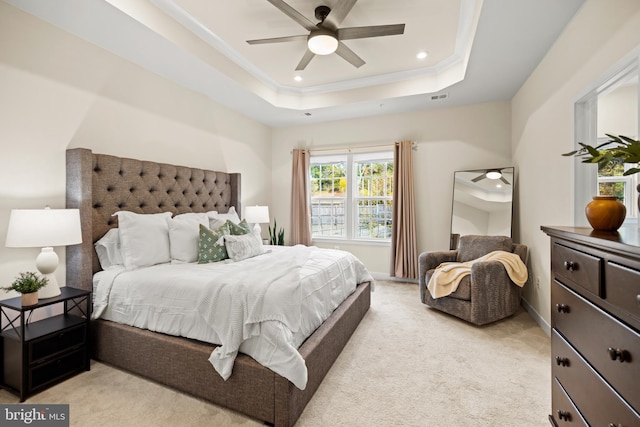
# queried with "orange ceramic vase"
point(605, 213)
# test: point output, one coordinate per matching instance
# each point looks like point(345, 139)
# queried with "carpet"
point(405, 365)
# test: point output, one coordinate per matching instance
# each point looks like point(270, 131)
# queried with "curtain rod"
point(414, 147)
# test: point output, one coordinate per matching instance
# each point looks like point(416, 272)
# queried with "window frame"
point(351, 194)
point(586, 178)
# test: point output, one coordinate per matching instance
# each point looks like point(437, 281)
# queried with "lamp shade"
point(256, 214)
point(38, 228)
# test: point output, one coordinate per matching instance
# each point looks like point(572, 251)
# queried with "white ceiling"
point(478, 51)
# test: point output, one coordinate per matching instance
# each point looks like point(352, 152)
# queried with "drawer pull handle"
point(615, 425)
point(562, 361)
point(570, 265)
point(638, 299)
point(562, 308)
point(564, 415)
point(618, 354)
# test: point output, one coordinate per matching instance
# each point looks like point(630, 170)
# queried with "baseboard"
point(536, 317)
point(383, 276)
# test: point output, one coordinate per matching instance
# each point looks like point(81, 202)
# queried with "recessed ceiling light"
point(298, 78)
point(421, 55)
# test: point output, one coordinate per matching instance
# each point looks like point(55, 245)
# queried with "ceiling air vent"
point(439, 96)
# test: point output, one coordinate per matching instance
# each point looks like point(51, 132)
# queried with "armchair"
point(485, 296)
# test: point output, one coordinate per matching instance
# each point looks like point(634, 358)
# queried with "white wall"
point(469, 137)
point(596, 39)
point(469, 219)
point(499, 221)
point(618, 112)
point(60, 92)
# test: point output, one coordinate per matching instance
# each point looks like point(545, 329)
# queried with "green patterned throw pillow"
point(238, 229)
point(211, 245)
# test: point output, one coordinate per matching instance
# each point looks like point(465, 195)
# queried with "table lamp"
point(256, 215)
point(44, 228)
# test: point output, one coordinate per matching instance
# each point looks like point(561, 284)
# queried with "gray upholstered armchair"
point(485, 296)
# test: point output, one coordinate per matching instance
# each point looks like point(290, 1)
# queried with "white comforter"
point(264, 306)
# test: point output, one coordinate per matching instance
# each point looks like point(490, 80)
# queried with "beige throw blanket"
point(447, 276)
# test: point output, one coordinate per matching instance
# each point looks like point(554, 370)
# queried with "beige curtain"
point(404, 253)
point(300, 210)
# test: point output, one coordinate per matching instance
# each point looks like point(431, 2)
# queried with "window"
point(611, 182)
point(352, 196)
point(610, 107)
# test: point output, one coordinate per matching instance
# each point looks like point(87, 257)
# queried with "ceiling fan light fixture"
point(494, 175)
point(322, 43)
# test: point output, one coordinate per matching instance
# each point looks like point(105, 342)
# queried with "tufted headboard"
point(100, 185)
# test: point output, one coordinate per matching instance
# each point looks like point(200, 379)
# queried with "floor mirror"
point(482, 203)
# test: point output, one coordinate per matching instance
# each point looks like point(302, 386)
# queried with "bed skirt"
point(252, 389)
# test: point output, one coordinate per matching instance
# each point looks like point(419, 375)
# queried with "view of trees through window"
point(352, 191)
point(608, 184)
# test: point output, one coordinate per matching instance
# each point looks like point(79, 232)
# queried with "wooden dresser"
point(595, 319)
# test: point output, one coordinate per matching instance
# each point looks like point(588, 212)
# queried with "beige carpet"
point(406, 365)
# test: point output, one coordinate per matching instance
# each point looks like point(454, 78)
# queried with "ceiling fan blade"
point(371, 31)
point(308, 56)
point(349, 55)
point(277, 39)
point(479, 177)
point(503, 179)
point(294, 14)
point(338, 13)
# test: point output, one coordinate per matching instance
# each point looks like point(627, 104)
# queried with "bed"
point(100, 185)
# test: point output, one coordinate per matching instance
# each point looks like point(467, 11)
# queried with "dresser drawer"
point(611, 347)
point(564, 412)
point(622, 288)
point(598, 403)
point(578, 268)
point(55, 343)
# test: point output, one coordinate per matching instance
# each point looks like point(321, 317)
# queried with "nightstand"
point(36, 355)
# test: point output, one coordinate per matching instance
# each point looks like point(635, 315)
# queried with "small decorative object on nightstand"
point(28, 284)
point(44, 228)
point(36, 355)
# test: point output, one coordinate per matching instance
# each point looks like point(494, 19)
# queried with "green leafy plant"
point(27, 283)
point(276, 237)
point(627, 150)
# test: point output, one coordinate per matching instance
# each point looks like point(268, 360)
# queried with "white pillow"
point(108, 249)
point(144, 238)
point(243, 246)
point(218, 219)
point(183, 236)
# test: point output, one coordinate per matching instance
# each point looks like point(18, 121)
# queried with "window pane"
point(613, 168)
point(327, 217)
point(328, 180)
point(612, 188)
point(374, 219)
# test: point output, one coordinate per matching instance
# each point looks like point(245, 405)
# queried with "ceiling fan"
point(325, 37)
point(492, 174)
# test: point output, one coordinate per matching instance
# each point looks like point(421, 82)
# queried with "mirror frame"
point(457, 178)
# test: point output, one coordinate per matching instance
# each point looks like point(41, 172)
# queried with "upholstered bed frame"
point(100, 185)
